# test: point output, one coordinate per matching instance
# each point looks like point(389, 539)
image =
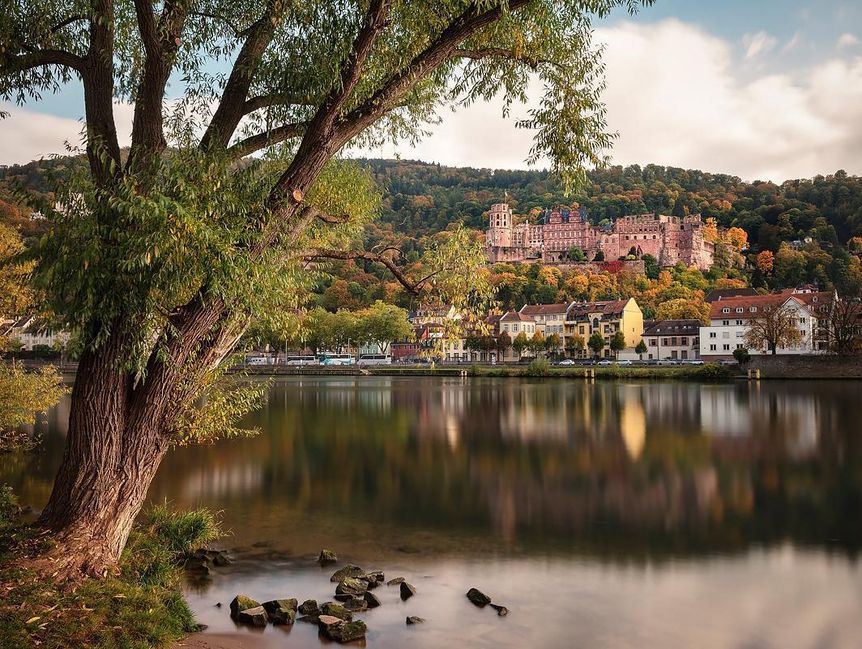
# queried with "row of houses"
point(731, 314)
point(29, 332)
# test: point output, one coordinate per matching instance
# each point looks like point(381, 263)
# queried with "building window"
point(712, 348)
point(712, 334)
point(727, 348)
point(725, 310)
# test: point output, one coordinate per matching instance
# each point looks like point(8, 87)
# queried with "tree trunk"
point(106, 471)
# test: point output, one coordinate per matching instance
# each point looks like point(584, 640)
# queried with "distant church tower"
point(500, 225)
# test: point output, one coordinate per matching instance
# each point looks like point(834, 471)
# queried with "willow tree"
point(160, 256)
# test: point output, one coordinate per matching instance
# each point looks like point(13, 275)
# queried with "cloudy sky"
point(763, 89)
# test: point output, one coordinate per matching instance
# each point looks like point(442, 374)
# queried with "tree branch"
point(318, 254)
point(231, 108)
point(260, 141)
point(470, 22)
point(237, 32)
point(38, 58)
point(67, 22)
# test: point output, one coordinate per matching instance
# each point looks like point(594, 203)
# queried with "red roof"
point(545, 309)
point(753, 306)
point(514, 316)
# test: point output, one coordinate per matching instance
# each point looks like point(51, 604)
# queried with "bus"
point(375, 359)
point(337, 359)
point(301, 360)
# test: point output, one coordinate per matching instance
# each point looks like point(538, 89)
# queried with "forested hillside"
point(799, 231)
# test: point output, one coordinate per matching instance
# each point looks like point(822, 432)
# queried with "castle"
point(670, 239)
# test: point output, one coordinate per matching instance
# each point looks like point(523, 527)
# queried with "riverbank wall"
point(806, 367)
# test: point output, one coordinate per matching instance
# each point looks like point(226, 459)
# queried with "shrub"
point(713, 372)
point(741, 355)
point(539, 367)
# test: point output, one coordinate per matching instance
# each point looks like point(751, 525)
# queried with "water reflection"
point(606, 515)
point(660, 468)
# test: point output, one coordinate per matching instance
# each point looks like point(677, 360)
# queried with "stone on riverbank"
point(374, 578)
point(349, 587)
point(407, 590)
point(348, 571)
point(335, 610)
point(326, 557)
point(412, 619)
point(478, 598)
point(281, 611)
point(309, 607)
point(395, 581)
point(252, 616)
point(356, 604)
point(502, 611)
point(241, 603)
point(345, 631)
point(371, 600)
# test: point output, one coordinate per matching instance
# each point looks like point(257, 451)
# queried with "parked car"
point(624, 362)
point(566, 362)
point(606, 361)
point(257, 360)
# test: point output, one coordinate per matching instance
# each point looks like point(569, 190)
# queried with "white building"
point(730, 318)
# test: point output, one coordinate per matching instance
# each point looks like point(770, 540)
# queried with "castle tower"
point(500, 226)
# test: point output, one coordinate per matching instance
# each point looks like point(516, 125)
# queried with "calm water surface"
point(605, 515)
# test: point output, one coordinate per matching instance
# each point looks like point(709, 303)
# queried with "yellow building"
point(606, 317)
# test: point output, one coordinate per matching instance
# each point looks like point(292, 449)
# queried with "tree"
point(741, 355)
point(683, 309)
point(552, 344)
point(382, 324)
point(844, 327)
point(641, 349)
point(520, 343)
point(651, 266)
point(575, 345)
point(596, 343)
point(576, 254)
point(765, 261)
point(600, 256)
point(15, 292)
point(504, 342)
point(537, 343)
point(162, 256)
point(618, 342)
point(774, 327)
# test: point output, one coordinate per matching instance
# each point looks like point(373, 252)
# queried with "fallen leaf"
point(33, 619)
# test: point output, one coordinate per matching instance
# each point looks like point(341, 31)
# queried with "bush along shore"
point(139, 606)
point(337, 620)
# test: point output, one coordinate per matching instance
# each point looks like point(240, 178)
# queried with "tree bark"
point(106, 470)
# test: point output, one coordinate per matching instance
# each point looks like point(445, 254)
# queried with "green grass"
point(707, 372)
point(139, 607)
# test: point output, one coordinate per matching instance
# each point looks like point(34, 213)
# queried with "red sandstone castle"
point(670, 239)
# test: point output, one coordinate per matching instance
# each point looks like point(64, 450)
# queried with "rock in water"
point(407, 591)
point(241, 603)
point(502, 611)
point(335, 610)
point(412, 619)
point(309, 607)
point(326, 557)
point(371, 600)
point(356, 604)
point(479, 598)
point(253, 616)
point(395, 582)
point(281, 611)
point(326, 621)
point(349, 570)
point(349, 586)
point(374, 578)
point(346, 631)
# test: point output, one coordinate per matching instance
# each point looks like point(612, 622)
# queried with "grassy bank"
point(139, 607)
point(707, 372)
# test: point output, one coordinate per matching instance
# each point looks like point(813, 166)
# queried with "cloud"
point(793, 43)
point(758, 43)
point(29, 135)
point(847, 40)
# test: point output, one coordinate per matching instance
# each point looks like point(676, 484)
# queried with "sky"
point(761, 89)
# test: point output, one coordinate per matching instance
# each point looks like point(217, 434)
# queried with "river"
point(604, 515)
